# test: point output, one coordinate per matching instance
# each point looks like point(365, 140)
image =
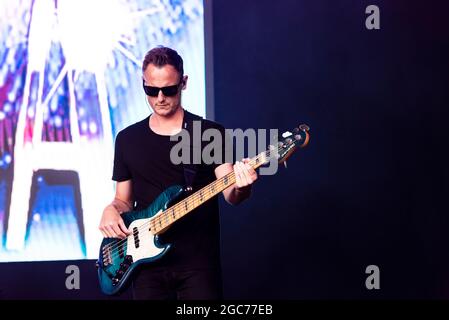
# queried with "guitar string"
point(166, 218)
point(160, 219)
point(120, 244)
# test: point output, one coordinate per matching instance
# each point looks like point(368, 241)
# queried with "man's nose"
point(160, 96)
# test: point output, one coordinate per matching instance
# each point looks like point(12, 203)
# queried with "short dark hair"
point(161, 56)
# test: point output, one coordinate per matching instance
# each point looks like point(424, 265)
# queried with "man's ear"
point(184, 82)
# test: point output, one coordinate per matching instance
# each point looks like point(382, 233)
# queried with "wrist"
point(242, 190)
point(113, 208)
point(121, 206)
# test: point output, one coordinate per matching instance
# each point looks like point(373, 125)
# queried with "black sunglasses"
point(169, 91)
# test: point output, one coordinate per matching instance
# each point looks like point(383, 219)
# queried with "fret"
point(182, 208)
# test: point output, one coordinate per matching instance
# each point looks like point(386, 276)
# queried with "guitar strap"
point(190, 169)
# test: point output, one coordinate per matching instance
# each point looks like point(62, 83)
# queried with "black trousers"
point(195, 284)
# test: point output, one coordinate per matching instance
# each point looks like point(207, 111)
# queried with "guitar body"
point(118, 258)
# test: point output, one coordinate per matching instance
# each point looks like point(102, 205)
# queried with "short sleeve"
point(120, 171)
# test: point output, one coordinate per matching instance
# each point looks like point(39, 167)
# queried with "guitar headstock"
point(286, 146)
point(291, 140)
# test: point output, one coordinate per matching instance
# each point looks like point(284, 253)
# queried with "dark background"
point(371, 187)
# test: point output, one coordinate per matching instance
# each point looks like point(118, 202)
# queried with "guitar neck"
point(164, 220)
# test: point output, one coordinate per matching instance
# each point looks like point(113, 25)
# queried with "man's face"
point(163, 77)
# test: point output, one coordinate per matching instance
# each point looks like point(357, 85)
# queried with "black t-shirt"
point(144, 157)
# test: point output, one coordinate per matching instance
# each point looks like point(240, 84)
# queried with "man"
point(143, 170)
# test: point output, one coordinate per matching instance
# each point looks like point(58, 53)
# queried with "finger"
point(252, 174)
point(110, 231)
point(244, 174)
point(247, 167)
point(248, 171)
point(104, 234)
point(118, 231)
point(238, 178)
point(123, 227)
point(105, 231)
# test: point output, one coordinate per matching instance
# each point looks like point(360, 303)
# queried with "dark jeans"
point(195, 284)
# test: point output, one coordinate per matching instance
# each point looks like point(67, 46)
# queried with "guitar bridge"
point(107, 256)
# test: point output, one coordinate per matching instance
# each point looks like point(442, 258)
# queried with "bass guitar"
point(118, 258)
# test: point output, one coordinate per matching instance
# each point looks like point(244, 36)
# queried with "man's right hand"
point(112, 225)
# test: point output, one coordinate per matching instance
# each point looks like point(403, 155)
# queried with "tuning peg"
point(296, 130)
point(288, 140)
point(298, 137)
point(280, 144)
point(304, 127)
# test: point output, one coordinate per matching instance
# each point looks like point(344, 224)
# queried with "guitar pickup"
point(136, 237)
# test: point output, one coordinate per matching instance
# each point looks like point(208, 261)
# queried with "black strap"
point(190, 169)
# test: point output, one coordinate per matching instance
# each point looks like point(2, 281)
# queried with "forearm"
point(120, 205)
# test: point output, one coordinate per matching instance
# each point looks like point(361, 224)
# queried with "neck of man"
point(167, 125)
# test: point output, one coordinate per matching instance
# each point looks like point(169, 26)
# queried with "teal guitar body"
point(118, 258)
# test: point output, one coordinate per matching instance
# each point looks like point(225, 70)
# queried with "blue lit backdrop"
point(69, 81)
